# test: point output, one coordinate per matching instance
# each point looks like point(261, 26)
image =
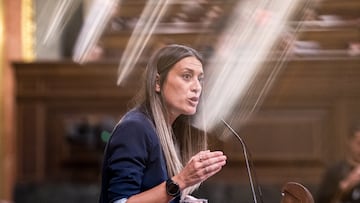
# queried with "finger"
point(208, 172)
point(214, 167)
point(199, 156)
point(213, 160)
point(209, 155)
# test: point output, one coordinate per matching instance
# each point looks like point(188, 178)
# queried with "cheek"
point(174, 93)
point(168, 93)
point(174, 88)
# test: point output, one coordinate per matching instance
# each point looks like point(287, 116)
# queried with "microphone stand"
point(246, 159)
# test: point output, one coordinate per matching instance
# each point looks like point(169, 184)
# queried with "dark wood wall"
point(301, 125)
point(53, 101)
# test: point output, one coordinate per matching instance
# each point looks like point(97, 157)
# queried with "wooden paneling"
point(302, 123)
point(331, 38)
point(348, 8)
point(299, 128)
point(48, 96)
point(318, 79)
point(281, 136)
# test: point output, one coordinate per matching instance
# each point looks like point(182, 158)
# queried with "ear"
point(157, 83)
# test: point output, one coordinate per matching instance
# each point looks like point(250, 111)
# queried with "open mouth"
point(194, 101)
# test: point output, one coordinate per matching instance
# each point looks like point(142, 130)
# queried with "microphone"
point(248, 167)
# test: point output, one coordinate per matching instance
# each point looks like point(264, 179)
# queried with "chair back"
point(293, 192)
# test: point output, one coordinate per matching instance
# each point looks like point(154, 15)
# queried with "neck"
point(172, 117)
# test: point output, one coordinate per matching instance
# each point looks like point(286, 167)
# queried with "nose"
point(196, 86)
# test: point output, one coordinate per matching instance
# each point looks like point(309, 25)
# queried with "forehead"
point(189, 63)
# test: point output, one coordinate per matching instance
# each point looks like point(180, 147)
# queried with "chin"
point(190, 112)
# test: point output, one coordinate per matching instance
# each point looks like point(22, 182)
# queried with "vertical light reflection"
point(27, 30)
point(95, 23)
point(143, 30)
point(252, 31)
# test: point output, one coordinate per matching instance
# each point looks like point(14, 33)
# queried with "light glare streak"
point(60, 17)
point(100, 13)
point(143, 30)
point(236, 67)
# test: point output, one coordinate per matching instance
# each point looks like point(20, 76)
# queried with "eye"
point(187, 76)
point(201, 79)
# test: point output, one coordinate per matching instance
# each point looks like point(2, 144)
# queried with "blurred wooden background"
point(63, 107)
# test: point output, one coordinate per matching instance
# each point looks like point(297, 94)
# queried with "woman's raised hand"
point(200, 167)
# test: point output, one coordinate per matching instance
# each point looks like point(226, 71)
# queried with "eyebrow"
point(192, 70)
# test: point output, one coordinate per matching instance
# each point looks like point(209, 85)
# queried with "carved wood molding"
point(316, 79)
point(70, 80)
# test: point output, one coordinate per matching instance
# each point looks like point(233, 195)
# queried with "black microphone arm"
point(246, 159)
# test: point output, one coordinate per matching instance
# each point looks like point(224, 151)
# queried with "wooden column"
point(1, 93)
point(10, 51)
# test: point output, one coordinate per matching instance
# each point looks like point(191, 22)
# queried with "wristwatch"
point(172, 188)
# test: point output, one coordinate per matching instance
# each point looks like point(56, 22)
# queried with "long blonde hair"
point(190, 140)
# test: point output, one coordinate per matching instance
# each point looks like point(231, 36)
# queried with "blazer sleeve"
point(128, 154)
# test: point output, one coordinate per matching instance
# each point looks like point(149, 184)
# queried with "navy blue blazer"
point(133, 160)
